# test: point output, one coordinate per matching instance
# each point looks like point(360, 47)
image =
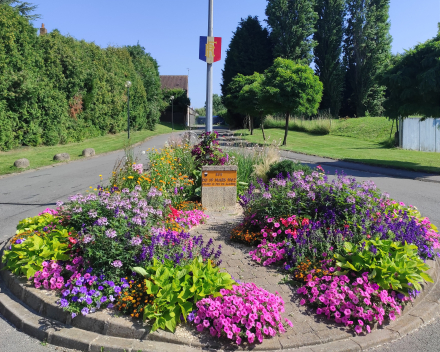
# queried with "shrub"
point(178, 289)
point(286, 168)
point(207, 152)
point(390, 264)
point(26, 256)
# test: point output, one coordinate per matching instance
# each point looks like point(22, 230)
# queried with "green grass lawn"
point(42, 156)
point(363, 147)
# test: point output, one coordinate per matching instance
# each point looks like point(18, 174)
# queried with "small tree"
point(250, 100)
point(291, 88)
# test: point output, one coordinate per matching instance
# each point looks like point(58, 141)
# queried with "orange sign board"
point(219, 178)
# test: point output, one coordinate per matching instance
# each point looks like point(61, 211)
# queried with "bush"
point(56, 89)
point(391, 264)
point(286, 168)
point(177, 290)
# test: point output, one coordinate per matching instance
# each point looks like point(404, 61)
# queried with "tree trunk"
point(251, 123)
point(286, 128)
point(262, 128)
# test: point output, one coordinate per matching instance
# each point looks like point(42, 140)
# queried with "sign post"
point(210, 52)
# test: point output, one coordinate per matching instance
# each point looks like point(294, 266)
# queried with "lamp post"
point(128, 85)
point(172, 113)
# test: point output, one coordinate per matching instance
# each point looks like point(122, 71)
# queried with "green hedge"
point(56, 89)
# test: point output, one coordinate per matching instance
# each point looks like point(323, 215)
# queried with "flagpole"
point(209, 71)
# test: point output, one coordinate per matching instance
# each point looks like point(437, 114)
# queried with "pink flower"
point(392, 316)
point(358, 329)
point(200, 327)
point(238, 341)
point(302, 302)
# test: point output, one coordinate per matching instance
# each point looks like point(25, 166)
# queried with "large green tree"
point(367, 50)
point(328, 52)
point(413, 81)
point(291, 88)
point(24, 8)
point(292, 24)
point(250, 50)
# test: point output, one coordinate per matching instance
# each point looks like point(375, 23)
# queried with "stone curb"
point(37, 314)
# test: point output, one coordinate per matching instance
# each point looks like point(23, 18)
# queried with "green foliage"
point(292, 24)
point(27, 258)
point(24, 8)
point(250, 51)
point(56, 89)
point(367, 50)
point(289, 88)
point(413, 81)
point(178, 289)
point(390, 264)
point(286, 167)
point(330, 28)
point(181, 101)
point(36, 223)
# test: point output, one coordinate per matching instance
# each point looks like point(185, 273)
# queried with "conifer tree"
point(367, 50)
point(24, 8)
point(328, 52)
point(292, 24)
point(250, 51)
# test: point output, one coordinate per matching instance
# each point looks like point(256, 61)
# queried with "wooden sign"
point(219, 178)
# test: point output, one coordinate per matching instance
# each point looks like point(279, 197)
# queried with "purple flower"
point(267, 195)
point(110, 233)
point(85, 311)
point(117, 264)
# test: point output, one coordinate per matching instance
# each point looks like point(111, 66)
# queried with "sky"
point(170, 29)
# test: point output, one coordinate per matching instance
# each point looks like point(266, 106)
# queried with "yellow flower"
point(130, 177)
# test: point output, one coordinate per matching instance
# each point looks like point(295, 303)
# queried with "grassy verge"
point(356, 149)
point(367, 128)
point(42, 156)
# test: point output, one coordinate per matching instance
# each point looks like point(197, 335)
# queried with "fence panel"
point(421, 135)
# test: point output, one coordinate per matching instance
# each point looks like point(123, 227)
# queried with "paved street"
point(26, 194)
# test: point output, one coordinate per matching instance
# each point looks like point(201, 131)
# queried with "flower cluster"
point(357, 304)
point(86, 293)
point(207, 152)
point(245, 312)
point(50, 277)
point(268, 253)
point(306, 268)
point(134, 298)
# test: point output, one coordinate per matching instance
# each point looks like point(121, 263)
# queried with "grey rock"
point(88, 152)
point(22, 163)
point(61, 157)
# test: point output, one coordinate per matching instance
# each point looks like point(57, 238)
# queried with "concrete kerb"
point(36, 314)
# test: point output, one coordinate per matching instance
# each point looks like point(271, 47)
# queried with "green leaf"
point(426, 277)
point(140, 271)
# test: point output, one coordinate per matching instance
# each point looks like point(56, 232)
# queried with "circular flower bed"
point(354, 254)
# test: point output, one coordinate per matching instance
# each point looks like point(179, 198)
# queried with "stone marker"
point(22, 163)
point(61, 157)
point(190, 138)
point(219, 186)
point(88, 152)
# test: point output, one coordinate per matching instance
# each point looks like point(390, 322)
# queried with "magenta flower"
point(117, 264)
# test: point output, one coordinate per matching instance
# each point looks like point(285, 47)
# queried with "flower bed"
point(357, 255)
point(127, 246)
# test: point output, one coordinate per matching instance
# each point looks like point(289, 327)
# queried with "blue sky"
point(170, 29)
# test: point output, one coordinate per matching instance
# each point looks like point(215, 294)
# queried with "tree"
point(245, 96)
point(328, 37)
point(181, 101)
point(250, 51)
point(367, 49)
point(250, 100)
point(217, 104)
point(289, 88)
point(24, 8)
point(292, 24)
point(413, 81)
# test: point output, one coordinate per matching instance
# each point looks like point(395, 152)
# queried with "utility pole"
point(209, 73)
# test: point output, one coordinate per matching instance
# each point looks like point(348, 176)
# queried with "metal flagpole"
point(209, 75)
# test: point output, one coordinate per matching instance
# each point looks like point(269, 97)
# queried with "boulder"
point(190, 138)
point(61, 157)
point(22, 163)
point(88, 152)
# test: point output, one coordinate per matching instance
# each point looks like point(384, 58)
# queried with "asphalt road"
point(26, 194)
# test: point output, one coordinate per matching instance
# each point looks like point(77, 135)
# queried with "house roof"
point(172, 82)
